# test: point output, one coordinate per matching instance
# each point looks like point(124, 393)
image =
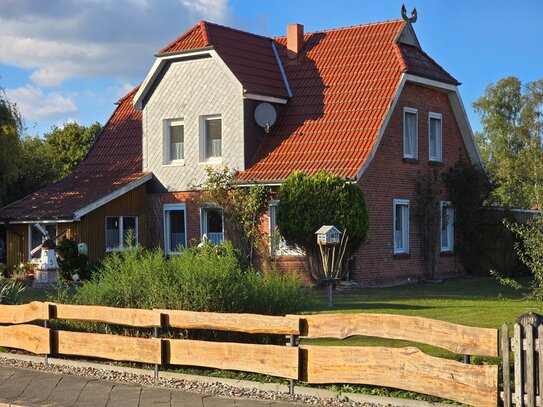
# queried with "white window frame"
point(405, 227)
point(203, 139)
point(203, 222)
point(439, 140)
point(167, 208)
point(450, 227)
point(167, 125)
point(282, 248)
point(414, 111)
point(121, 247)
point(30, 248)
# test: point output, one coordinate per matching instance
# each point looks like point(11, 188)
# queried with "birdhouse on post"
point(328, 235)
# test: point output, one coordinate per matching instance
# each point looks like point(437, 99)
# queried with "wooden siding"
point(92, 227)
point(90, 230)
point(17, 244)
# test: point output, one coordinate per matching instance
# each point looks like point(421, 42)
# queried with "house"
point(365, 102)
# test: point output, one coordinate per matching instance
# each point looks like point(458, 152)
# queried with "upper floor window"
point(174, 141)
point(212, 225)
point(410, 133)
point(210, 138)
point(447, 227)
point(121, 232)
point(434, 136)
point(401, 226)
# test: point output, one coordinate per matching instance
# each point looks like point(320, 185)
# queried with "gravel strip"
point(212, 389)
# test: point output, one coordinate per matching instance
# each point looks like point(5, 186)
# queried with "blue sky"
point(64, 60)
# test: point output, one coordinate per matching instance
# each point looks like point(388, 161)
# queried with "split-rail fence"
point(403, 368)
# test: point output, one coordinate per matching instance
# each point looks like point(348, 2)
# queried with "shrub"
point(209, 278)
point(307, 202)
point(10, 291)
point(529, 249)
point(70, 261)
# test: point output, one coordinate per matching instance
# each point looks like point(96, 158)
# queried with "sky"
point(71, 60)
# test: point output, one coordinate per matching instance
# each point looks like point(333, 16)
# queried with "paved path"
point(26, 387)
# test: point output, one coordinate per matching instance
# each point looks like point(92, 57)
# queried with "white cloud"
point(35, 104)
point(64, 39)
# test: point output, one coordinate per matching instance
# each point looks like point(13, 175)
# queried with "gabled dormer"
point(199, 96)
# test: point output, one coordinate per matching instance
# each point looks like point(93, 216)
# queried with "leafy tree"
point(68, 146)
point(241, 206)
point(10, 146)
point(306, 202)
point(510, 142)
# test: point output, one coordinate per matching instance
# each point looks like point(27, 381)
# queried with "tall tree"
point(511, 143)
point(10, 146)
point(68, 145)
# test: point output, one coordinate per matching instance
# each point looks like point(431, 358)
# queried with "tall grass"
point(210, 278)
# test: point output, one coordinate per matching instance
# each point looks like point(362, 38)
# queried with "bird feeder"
point(328, 235)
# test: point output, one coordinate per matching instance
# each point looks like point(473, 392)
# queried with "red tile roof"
point(250, 57)
point(342, 87)
point(114, 161)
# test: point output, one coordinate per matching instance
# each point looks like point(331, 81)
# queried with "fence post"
point(505, 366)
point(519, 385)
point(291, 383)
point(155, 335)
point(530, 357)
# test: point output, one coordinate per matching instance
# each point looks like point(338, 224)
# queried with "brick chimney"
point(295, 40)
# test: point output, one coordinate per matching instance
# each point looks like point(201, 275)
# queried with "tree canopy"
point(511, 140)
point(29, 163)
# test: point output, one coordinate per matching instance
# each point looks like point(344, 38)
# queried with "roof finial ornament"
point(413, 18)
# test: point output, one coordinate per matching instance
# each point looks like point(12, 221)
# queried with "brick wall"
point(156, 216)
point(388, 177)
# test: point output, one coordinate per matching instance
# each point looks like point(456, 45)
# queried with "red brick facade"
point(389, 177)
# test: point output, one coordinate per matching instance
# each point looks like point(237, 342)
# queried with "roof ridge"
point(345, 28)
point(237, 30)
point(127, 95)
point(182, 36)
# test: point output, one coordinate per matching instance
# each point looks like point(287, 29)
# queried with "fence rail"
point(404, 368)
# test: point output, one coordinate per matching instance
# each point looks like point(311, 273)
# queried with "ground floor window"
point(35, 238)
point(212, 225)
point(401, 226)
point(278, 245)
point(447, 227)
point(121, 232)
point(175, 237)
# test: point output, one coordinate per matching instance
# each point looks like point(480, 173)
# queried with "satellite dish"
point(265, 116)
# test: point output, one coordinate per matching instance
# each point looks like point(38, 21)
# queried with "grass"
point(476, 301)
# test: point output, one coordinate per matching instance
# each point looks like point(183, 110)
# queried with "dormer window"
point(211, 138)
point(410, 133)
point(174, 141)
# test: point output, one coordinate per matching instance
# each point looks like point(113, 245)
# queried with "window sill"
point(180, 163)
point(435, 163)
point(211, 162)
point(410, 160)
point(402, 255)
point(117, 249)
point(447, 254)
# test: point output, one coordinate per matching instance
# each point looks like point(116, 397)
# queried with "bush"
point(209, 278)
point(70, 261)
point(10, 291)
point(529, 249)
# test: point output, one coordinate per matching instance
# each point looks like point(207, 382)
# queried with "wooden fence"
point(404, 368)
point(523, 387)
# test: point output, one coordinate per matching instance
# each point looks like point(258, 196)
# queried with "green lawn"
point(481, 302)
